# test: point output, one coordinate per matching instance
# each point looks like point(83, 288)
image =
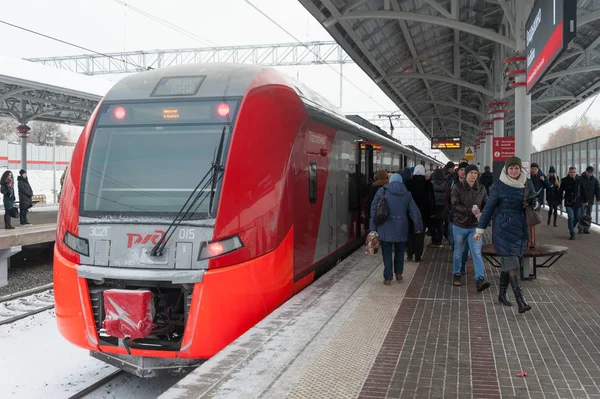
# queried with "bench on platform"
point(552, 252)
point(11, 242)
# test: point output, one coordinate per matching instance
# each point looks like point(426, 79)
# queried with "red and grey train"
point(199, 199)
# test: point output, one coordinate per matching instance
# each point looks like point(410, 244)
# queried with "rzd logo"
point(134, 238)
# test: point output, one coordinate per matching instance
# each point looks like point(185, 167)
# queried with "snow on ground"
point(37, 362)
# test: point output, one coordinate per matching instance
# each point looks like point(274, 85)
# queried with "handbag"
point(14, 212)
point(532, 217)
point(382, 210)
point(372, 243)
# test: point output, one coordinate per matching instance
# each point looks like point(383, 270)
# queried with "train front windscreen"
point(146, 158)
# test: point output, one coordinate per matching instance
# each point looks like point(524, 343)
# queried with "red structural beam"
point(518, 84)
point(500, 104)
point(516, 72)
point(515, 59)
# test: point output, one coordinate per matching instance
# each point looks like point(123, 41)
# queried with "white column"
point(522, 100)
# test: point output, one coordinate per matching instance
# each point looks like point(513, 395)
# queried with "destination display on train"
point(445, 143)
point(550, 28)
point(153, 113)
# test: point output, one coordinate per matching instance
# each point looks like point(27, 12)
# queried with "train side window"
point(312, 182)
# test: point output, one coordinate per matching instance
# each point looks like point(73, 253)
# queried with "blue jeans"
point(574, 216)
point(461, 238)
point(386, 250)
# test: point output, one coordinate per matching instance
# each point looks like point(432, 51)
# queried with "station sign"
point(503, 148)
point(550, 28)
point(445, 143)
point(469, 154)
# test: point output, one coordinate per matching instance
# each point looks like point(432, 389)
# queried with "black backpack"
point(382, 210)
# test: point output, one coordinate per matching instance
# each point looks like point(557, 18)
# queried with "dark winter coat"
point(486, 180)
point(538, 184)
point(509, 228)
point(422, 193)
point(400, 205)
point(25, 193)
point(451, 181)
point(463, 199)
point(8, 191)
point(553, 192)
point(592, 187)
point(573, 192)
point(438, 182)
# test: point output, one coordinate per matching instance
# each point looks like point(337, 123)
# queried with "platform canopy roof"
point(30, 91)
point(434, 58)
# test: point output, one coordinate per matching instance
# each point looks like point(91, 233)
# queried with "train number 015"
point(187, 234)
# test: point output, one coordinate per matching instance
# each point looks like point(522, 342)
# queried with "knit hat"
point(449, 165)
point(419, 170)
point(513, 161)
point(462, 165)
point(396, 178)
point(589, 169)
point(471, 168)
point(535, 165)
point(22, 172)
point(551, 170)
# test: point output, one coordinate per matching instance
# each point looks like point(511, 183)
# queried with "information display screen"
point(445, 143)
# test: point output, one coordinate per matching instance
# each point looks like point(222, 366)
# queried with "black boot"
point(502, 295)
point(555, 215)
point(523, 306)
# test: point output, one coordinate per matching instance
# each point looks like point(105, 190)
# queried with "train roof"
point(220, 80)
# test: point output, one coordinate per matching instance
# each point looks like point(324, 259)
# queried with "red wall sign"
point(549, 29)
point(504, 148)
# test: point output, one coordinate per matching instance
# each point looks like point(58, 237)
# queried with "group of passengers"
point(457, 202)
point(454, 201)
point(7, 188)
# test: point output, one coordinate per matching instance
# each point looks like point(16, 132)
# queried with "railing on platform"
point(580, 155)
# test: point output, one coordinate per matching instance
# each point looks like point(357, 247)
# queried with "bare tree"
point(41, 133)
point(8, 129)
point(566, 135)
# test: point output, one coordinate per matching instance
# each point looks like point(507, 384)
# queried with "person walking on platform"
point(459, 176)
point(437, 223)
point(553, 194)
point(575, 196)
point(7, 188)
point(540, 182)
point(592, 189)
point(422, 193)
point(486, 179)
point(381, 179)
point(25, 197)
point(468, 199)
point(393, 231)
point(506, 205)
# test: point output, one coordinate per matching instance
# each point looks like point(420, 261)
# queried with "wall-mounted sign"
point(445, 143)
point(469, 154)
point(550, 28)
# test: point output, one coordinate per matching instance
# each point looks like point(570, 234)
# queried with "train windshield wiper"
point(198, 194)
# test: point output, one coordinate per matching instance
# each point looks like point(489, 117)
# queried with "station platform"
point(348, 335)
point(42, 231)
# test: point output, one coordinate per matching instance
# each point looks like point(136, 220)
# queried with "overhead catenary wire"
point(70, 44)
point(311, 50)
point(167, 24)
point(584, 114)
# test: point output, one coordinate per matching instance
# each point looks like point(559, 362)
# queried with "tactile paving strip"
point(337, 362)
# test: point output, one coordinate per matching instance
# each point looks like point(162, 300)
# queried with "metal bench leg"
point(5, 255)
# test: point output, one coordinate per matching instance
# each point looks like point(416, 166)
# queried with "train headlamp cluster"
point(77, 244)
point(217, 248)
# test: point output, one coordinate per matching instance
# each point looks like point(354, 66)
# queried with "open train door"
point(364, 165)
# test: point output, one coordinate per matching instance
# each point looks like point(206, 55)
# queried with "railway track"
point(25, 304)
point(91, 388)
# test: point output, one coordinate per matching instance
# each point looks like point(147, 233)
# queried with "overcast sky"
point(107, 26)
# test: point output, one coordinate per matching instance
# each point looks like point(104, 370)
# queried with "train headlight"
point(217, 248)
point(77, 244)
